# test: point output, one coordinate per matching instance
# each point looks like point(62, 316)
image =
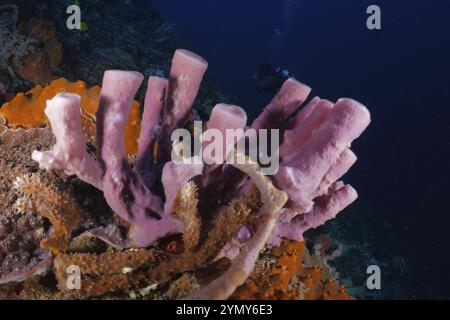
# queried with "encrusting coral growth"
point(273, 201)
point(57, 206)
point(23, 233)
point(162, 266)
point(106, 272)
point(287, 273)
point(186, 207)
point(20, 234)
point(158, 198)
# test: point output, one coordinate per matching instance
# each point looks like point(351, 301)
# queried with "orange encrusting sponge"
point(27, 109)
point(275, 284)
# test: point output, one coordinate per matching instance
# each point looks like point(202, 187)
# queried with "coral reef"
point(20, 233)
point(13, 45)
point(145, 44)
point(359, 250)
point(29, 49)
point(157, 199)
point(24, 234)
point(134, 44)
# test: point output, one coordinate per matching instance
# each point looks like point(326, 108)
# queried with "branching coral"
point(159, 267)
point(57, 206)
point(273, 200)
point(225, 226)
point(103, 273)
point(158, 197)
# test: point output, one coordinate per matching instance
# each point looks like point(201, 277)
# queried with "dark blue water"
point(402, 73)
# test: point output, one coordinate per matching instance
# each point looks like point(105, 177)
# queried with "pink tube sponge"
point(124, 188)
point(69, 153)
point(313, 163)
point(291, 95)
point(305, 167)
point(315, 153)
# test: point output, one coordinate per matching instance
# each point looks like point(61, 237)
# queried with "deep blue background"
point(402, 73)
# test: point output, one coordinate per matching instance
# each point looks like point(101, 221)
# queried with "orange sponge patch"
point(27, 109)
point(290, 278)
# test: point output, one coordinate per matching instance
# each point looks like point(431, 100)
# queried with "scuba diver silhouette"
point(269, 79)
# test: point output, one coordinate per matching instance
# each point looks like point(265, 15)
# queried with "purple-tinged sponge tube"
point(315, 151)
